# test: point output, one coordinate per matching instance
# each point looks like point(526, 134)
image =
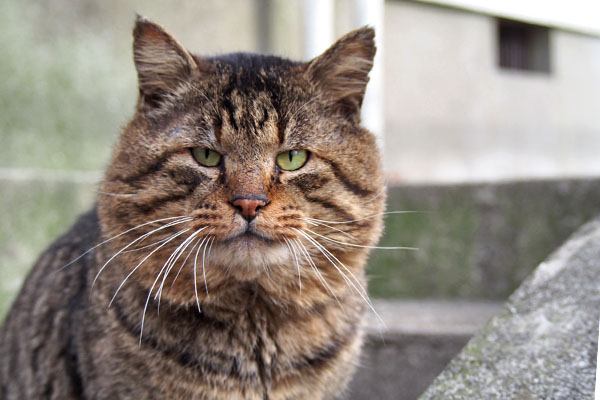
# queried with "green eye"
point(206, 157)
point(292, 160)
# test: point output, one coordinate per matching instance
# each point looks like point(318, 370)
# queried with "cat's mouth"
point(249, 236)
point(249, 250)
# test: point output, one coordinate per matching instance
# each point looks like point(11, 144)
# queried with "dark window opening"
point(523, 46)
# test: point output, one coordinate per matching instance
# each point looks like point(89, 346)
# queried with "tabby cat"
point(225, 256)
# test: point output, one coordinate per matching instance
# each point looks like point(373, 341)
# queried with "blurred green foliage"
point(35, 213)
point(63, 92)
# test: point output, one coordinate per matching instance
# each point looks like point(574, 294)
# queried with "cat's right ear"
point(342, 72)
point(162, 63)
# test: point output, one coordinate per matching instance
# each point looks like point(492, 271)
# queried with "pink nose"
point(248, 206)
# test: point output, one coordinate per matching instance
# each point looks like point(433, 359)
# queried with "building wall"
point(453, 115)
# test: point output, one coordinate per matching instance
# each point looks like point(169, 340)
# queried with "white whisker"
point(153, 284)
point(293, 254)
point(184, 261)
point(212, 240)
point(266, 269)
point(311, 263)
point(145, 247)
point(335, 261)
point(121, 234)
point(118, 194)
point(203, 269)
point(173, 259)
point(382, 191)
point(332, 259)
point(141, 262)
point(368, 217)
point(173, 223)
point(360, 245)
point(196, 275)
point(315, 223)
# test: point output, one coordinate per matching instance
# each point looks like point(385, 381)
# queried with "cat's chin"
point(249, 252)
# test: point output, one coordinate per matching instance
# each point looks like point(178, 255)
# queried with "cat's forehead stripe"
point(252, 115)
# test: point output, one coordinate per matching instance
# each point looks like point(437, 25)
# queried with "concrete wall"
point(453, 114)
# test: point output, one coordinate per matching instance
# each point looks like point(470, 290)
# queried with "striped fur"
point(176, 300)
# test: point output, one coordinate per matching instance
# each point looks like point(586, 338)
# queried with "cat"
point(225, 256)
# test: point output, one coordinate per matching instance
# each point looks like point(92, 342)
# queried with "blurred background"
point(487, 111)
point(470, 100)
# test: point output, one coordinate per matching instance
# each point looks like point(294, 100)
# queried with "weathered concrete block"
point(543, 344)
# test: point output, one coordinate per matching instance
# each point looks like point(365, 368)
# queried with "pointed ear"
point(161, 62)
point(342, 72)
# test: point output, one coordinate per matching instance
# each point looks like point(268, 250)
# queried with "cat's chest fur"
point(242, 346)
point(225, 258)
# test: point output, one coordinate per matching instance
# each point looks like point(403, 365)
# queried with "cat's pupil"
point(206, 153)
point(292, 154)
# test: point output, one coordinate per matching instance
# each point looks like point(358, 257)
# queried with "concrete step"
point(543, 344)
point(419, 338)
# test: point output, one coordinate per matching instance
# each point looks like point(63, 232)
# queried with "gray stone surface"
point(543, 344)
point(418, 340)
point(429, 317)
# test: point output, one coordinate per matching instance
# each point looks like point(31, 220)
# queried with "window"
point(523, 46)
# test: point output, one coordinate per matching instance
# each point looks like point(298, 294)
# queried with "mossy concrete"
point(476, 241)
point(543, 344)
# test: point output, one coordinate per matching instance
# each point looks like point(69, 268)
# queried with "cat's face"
point(253, 168)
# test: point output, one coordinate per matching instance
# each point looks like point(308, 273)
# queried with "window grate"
point(523, 46)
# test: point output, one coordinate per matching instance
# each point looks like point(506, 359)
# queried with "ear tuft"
point(342, 72)
point(161, 62)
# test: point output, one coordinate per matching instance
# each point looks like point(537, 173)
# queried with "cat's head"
point(244, 167)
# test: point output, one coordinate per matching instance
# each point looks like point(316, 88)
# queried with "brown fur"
point(239, 316)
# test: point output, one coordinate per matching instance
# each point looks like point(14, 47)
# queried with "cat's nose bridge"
point(247, 183)
point(248, 193)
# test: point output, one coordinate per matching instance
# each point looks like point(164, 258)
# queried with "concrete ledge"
point(419, 339)
point(543, 344)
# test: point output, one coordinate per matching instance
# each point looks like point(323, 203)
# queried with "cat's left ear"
point(162, 63)
point(342, 72)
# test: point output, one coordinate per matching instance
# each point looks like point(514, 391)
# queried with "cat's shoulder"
point(85, 229)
